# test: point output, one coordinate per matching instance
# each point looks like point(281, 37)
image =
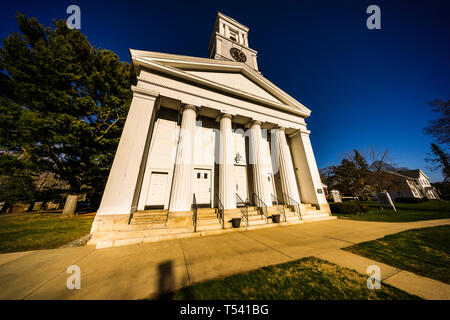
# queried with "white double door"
point(202, 186)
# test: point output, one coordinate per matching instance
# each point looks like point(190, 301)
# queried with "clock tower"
point(229, 41)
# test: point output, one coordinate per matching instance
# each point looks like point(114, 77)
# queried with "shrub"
point(363, 207)
point(408, 200)
point(345, 207)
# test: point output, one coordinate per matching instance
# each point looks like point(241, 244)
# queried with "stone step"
point(201, 222)
point(291, 218)
point(149, 218)
point(206, 215)
point(207, 227)
point(109, 239)
point(206, 210)
point(144, 226)
point(315, 216)
point(255, 222)
point(152, 211)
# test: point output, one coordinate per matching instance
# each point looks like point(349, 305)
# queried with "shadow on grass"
point(304, 279)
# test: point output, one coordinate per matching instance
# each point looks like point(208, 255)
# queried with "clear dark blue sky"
point(364, 87)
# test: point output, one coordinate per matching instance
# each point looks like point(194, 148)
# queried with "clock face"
point(238, 55)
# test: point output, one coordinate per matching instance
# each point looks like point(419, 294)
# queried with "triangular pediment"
point(237, 81)
point(229, 76)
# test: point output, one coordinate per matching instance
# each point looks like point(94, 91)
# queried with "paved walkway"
point(139, 271)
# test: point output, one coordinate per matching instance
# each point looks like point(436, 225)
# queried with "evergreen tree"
point(63, 102)
point(442, 161)
point(440, 128)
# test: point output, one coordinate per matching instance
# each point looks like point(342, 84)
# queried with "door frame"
point(211, 194)
point(168, 187)
point(245, 179)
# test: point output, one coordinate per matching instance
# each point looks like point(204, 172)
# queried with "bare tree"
point(380, 162)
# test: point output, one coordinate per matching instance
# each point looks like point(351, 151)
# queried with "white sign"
point(384, 199)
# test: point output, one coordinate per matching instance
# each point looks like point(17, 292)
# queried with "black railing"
point(280, 206)
point(261, 207)
point(220, 212)
point(294, 204)
point(194, 215)
point(243, 205)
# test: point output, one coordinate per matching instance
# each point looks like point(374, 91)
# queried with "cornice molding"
point(160, 64)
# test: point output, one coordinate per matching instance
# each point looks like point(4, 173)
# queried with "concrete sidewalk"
point(407, 281)
point(139, 271)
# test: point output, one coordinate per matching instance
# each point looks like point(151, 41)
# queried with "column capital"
point(280, 128)
point(144, 93)
point(302, 131)
point(224, 115)
point(253, 122)
point(189, 106)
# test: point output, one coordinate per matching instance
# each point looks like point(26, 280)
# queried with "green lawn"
point(32, 231)
point(405, 212)
point(308, 278)
point(424, 251)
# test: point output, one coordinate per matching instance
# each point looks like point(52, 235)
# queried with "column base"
point(325, 207)
point(111, 222)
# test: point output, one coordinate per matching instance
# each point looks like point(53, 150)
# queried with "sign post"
point(384, 199)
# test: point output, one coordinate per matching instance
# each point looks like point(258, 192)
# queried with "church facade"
point(207, 140)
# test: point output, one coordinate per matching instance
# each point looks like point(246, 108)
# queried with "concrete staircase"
point(151, 225)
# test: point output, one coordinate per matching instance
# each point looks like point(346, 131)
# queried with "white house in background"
point(211, 133)
point(406, 184)
point(422, 183)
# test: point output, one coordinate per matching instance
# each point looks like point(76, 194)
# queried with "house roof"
point(415, 174)
point(398, 174)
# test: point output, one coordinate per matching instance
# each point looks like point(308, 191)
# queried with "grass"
point(424, 251)
point(406, 212)
point(304, 279)
point(33, 231)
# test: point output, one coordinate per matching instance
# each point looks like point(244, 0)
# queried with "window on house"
point(198, 175)
point(205, 176)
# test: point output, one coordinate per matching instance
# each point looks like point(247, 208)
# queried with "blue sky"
point(365, 87)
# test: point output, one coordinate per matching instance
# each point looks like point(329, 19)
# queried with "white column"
point(181, 195)
point(122, 180)
point(257, 162)
point(286, 167)
point(311, 188)
point(226, 185)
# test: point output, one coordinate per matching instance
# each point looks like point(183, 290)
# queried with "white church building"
point(207, 140)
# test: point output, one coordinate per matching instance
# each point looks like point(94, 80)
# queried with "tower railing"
point(261, 207)
point(220, 212)
point(243, 206)
point(291, 202)
point(280, 206)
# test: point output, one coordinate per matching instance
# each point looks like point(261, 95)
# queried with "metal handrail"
point(261, 206)
point(220, 212)
point(280, 206)
point(194, 215)
point(243, 207)
point(295, 204)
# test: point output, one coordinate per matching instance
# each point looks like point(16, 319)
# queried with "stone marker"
point(384, 199)
point(336, 195)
